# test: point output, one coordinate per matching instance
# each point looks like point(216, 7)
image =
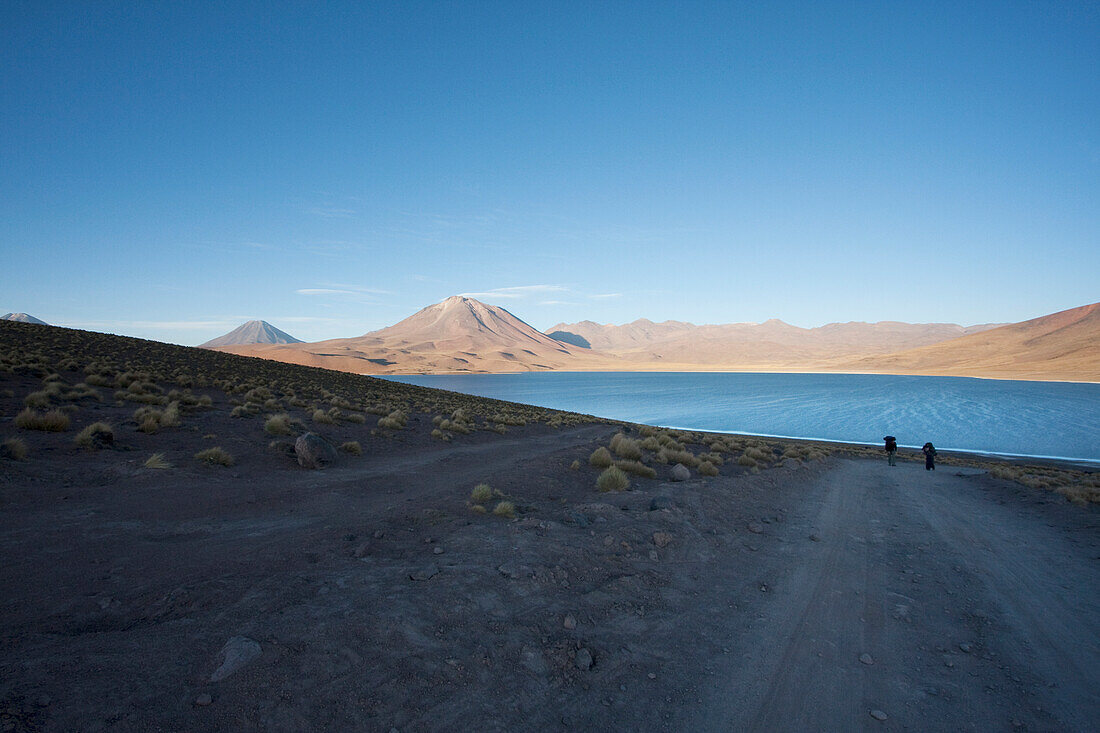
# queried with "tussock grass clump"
point(352, 447)
point(277, 424)
point(40, 398)
point(214, 457)
point(54, 421)
point(650, 443)
point(674, 456)
point(440, 435)
point(158, 461)
point(625, 447)
point(505, 509)
point(746, 460)
point(396, 420)
point(481, 494)
point(322, 417)
point(575, 466)
point(150, 419)
point(706, 468)
point(356, 418)
point(478, 508)
point(13, 448)
point(760, 455)
point(612, 479)
point(637, 468)
point(600, 458)
point(96, 435)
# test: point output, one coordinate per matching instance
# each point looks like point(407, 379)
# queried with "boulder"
point(680, 472)
point(313, 451)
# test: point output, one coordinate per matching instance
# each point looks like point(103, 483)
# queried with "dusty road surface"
point(901, 599)
point(369, 596)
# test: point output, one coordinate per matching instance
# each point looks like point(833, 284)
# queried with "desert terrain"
point(461, 335)
point(466, 564)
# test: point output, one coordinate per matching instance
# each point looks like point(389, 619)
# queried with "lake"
point(1047, 419)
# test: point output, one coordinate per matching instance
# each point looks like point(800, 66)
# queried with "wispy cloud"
point(156, 325)
point(518, 291)
point(332, 212)
point(606, 295)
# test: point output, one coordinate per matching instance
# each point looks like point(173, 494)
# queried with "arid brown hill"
point(457, 335)
point(252, 332)
point(769, 344)
point(1062, 346)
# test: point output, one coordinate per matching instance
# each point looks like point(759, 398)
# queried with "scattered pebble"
point(204, 699)
point(966, 647)
point(756, 528)
point(437, 550)
point(866, 658)
point(651, 676)
point(237, 653)
point(654, 556)
point(662, 539)
point(379, 534)
point(815, 538)
point(878, 715)
point(569, 622)
point(584, 659)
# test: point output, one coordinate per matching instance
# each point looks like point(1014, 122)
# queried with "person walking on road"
point(891, 449)
point(929, 457)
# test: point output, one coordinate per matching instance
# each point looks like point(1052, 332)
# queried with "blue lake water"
point(1051, 419)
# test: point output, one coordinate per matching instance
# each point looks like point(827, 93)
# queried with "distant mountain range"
point(22, 318)
point(463, 335)
point(252, 332)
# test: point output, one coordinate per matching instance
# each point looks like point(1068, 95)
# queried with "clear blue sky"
point(169, 170)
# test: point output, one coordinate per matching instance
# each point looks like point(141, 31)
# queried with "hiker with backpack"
point(891, 449)
point(929, 457)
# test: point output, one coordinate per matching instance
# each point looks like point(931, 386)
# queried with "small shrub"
point(505, 509)
point(650, 443)
point(96, 435)
point(13, 448)
point(54, 421)
point(706, 468)
point(612, 479)
point(277, 424)
point(396, 420)
point(40, 398)
point(440, 435)
point(356, 418)
point(477, 508)
point(481, 493)
point(600, 458)
point(158, 461)
point(352, 447)
point(746, 460)
point(575, 465)
point(320, 416)
point(214, 457)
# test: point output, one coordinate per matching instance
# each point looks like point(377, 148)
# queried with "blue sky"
point(172, 169)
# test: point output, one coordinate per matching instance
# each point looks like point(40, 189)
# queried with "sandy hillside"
point(1064, 345)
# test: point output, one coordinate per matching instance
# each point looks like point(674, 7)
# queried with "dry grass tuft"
point(481, 494)
point(96, 435)
point(478, 508)
point(320, 416)
point(352, 447)
point(277, 424)
point(505, 509)
point(575, 466)
point(600, 458)
point(625, 447)
point(396, 420)
point(158, 461)
point(746, 460)
point(54, 421)
point(706, 468)
point(612, 479)
point(13, 448)
point(214, 457)
point(637, 468)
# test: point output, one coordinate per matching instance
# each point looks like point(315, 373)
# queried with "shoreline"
point(682, 370)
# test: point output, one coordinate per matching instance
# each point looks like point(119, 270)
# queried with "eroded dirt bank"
point(377, 599)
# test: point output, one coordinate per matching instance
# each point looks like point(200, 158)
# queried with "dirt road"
point(976, 611)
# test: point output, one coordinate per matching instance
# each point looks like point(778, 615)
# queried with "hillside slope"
point(1060, 346)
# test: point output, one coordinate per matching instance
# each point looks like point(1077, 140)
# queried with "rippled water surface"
point(982, 415)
